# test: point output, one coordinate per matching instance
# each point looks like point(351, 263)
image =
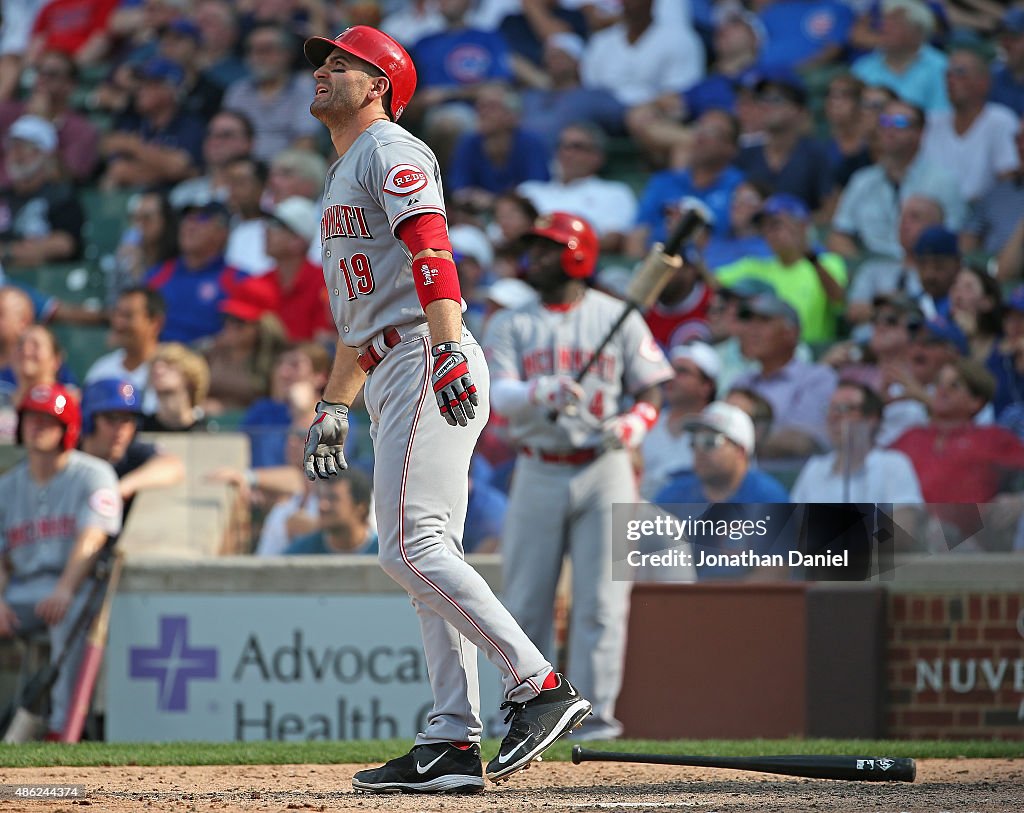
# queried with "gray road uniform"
point(421, 467)
point(38, 529)
point(567, 479)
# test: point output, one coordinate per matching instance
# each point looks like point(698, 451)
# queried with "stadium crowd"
point(855, 301)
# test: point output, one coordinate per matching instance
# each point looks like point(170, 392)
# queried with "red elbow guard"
point(436, 278)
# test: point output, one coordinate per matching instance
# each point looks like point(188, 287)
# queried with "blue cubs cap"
point(108, 395)
point(783, 205)
point(162, 70)
point(937, 241)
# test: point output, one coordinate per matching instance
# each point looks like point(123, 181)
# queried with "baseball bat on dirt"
point(92, 658)
point(813, 766)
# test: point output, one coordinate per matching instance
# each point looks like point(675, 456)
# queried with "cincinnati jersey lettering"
point(341, 220)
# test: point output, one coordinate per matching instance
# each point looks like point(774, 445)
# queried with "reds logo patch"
point(650, 351)
point(404, 179)
point(105, 503)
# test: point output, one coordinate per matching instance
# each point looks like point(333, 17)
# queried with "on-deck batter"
point(571, 471)
point(396, 302)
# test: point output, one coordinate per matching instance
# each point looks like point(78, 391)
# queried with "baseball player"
point(570, 471)
point(396, 301)
point(59, 506)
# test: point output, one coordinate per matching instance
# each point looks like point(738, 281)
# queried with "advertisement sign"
point(243, 667)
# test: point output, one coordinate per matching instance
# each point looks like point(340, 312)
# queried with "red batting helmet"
point(377, 48)
point(578, 237)
point(53, 399)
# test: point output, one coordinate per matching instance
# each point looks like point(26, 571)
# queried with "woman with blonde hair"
point(181, 380)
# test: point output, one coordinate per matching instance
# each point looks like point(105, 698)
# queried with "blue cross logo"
point(172, 662)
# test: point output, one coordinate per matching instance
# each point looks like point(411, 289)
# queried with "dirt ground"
point(955, 786)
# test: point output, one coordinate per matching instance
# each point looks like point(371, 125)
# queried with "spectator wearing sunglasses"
point(904, 61)
point(723, 447)
point(867, 215)
point(976, 136)
point(722, 437)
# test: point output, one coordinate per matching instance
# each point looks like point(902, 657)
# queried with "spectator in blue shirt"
point(710, 177)
point(723, 444)
point(158, 144)
point(1008, 75)
point(500, 155)
point(344, 505)
point(789, 161)
point(458, 57)
point(904, 61)
point(721, 486)
point(804, 33)
point(195, 282)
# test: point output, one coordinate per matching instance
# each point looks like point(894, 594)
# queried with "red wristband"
point(436, 278)
point(646, 412)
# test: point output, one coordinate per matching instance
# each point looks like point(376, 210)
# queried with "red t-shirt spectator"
point(962, 464)
point(66, 25)
point(686, 320)
point(305, 309)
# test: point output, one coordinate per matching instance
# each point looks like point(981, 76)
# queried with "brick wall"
point(956, 665)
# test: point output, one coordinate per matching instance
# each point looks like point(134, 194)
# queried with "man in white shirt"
point(609, 206)
point(135, 325)
point(856, 470)
point(668, 447)
point(638, 61)
point(976, 136)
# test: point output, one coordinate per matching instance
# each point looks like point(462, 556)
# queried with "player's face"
point(544, 266)
point(342, 83)
point(41, 433)
point(114, 432)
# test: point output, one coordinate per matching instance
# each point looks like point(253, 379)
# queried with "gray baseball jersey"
point(556, 509)
point(421, 463)
point(40, 523)
point(383, 178)
point(536, 341)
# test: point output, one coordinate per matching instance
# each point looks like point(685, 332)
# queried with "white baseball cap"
point(727, 419)
point(36, 131)
point(470, 241)
point(701, 354)
point(299, 215)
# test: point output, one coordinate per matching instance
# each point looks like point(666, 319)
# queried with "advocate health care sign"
point(271, 667)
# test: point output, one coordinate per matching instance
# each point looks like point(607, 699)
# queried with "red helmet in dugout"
point(54, 400)
point(377, 48)
point(577, 235)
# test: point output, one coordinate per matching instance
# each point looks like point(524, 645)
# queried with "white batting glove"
point(555, 393)
point(325, 442)
point(628, 430)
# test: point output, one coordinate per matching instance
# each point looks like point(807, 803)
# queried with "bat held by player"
point(813, 766)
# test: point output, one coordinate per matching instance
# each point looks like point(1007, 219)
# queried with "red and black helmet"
point(377, 48)
point(54, 400)
point(576, 234)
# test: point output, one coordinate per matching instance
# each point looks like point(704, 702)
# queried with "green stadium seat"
point(106, 216)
